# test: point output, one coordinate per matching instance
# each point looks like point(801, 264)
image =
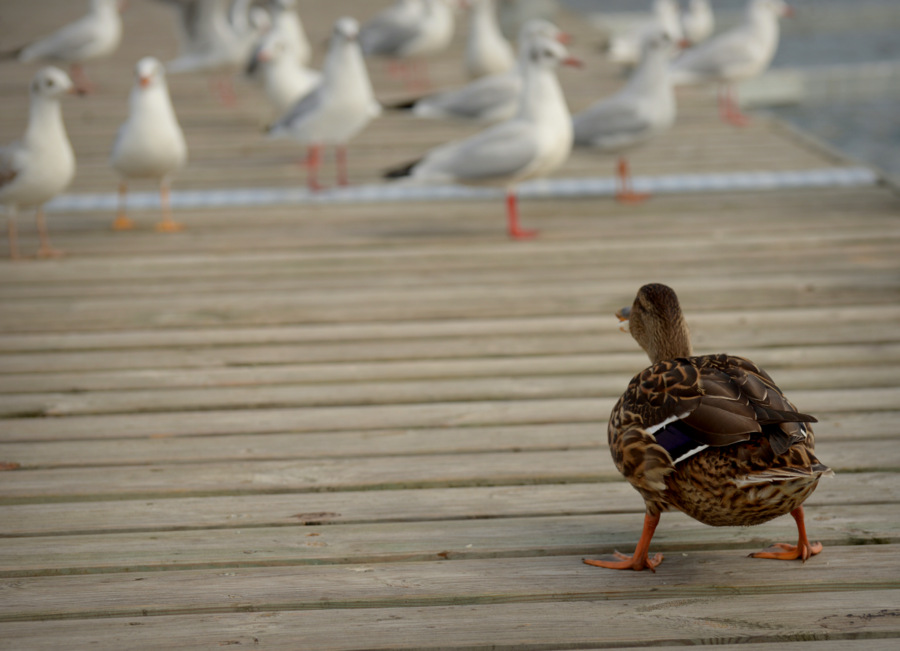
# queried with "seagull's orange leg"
point(45, 250)
point(512, 216)
point(729, 109)
point(121, 222)
point(167, 225)
point(313, 160)
point(82, 85)
point(626, 193)
point(802, 550)
point(641, 558)
point(13, 235)
point(340, 156)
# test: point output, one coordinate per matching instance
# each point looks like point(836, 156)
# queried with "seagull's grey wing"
point(716, 56)
point(304, 107)
point(494, 154)
point(9, 165)
point(609, 123)
point(478, 99)
point(383, 36)
point(66, 43)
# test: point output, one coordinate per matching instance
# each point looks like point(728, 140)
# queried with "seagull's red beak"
point(144, 81)
point(573, 61)
point(565, 38)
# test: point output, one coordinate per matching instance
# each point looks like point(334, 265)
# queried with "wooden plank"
point(381, 392)
point(804, 365)
point(356, 417)
point(792, 343)
point(325, 306)
point(91, 453)
point(529, 626)
point(368, 473)
point(294, 269)
point(419, 541)
point(396, 505)
point(707, 322)
point(439, 583)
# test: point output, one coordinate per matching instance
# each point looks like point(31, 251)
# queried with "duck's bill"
point(623, 315)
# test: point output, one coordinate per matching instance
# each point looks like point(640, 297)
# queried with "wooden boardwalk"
point(384, 426)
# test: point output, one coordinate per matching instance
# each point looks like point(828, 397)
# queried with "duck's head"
point(656, 322)
point(51, 82)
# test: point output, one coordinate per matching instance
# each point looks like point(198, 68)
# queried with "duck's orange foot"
point(636, 562)
point(787, 552)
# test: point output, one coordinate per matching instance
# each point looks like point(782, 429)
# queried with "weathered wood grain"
point(536, 626)
point(383, 425)
point(437, 583)
point(417, 541)
point(396, 505)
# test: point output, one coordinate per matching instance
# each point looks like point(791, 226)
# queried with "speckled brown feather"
point(760, 461)
point(755, 437)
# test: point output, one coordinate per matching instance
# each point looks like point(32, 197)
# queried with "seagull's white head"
point(549, 53)
point(149, 72)
point(538, 28)
point(51, 82)
point(272, 48)
point(657, 42)
point(346, 28)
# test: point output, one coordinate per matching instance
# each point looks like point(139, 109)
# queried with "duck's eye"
point(49, 82)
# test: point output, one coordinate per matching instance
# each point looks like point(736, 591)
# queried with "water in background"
point(860, 118)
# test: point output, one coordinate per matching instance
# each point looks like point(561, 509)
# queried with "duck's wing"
point(717, 400)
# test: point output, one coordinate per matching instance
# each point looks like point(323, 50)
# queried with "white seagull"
point(287, 25)
point(285, 79)
point(212, 42)
point(338, 109)
point(150, 143)
point(697, 22)
point(625, 48)
point(740, 53)
point(644, 108)
point(36, 168)
point(488, 99)
point(487, 50)
point(532, 144)
point(409, 30)
point(95, 35)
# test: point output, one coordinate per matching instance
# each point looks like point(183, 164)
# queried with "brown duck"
point(711, 436)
